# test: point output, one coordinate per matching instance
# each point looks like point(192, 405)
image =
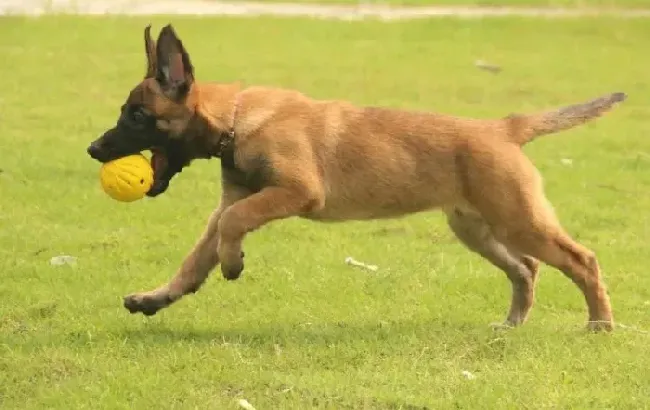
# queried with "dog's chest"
point(253, 177)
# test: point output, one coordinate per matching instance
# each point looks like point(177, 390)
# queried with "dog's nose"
point(93, 151)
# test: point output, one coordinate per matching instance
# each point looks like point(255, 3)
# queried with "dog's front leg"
point(249, 214)
point(194, 269)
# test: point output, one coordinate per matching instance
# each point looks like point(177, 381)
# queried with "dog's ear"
point(174, 71)
point(150, 51)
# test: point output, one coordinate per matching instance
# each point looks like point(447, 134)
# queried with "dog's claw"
point(600, 326)
point(232, 272)
point(505, 325)
point(129, 305)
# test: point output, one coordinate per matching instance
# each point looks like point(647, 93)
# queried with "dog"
point(284, 154)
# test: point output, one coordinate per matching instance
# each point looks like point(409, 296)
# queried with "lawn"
point(301, 329)
point(508, 3)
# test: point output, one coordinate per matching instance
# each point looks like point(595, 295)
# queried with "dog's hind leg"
point(195, 268)
point(547, 241)
point(475, 234)
point(521, 217)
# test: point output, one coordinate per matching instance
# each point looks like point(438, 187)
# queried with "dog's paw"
point(502, 326)
point(600, 326)
point(232, 271)
point(146, 304)
point(232, 262)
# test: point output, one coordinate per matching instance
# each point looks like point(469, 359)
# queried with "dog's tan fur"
point(334, 161)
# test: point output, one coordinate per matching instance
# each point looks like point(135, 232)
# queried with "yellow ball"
point(128, 178)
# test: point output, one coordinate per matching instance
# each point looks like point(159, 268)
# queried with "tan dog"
point(284, 154)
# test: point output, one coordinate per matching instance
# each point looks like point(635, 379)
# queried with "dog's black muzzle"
point(115, 144)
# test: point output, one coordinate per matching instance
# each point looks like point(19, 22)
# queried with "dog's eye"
point(138, 116)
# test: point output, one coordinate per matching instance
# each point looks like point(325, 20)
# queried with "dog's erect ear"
point(150, 51)
point(174, 71)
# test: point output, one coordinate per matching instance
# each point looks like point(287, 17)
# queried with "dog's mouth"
point(160, 165)
point(159, 161)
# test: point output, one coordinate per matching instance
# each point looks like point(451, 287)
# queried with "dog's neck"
point(218, 106)
point(216, 103)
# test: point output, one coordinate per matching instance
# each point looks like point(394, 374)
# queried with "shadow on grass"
point(307, 332)
point(271, 335)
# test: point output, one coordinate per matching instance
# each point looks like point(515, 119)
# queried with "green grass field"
point(301, 329)
point(509, 3)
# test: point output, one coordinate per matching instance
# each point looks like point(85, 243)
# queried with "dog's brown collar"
point(227, 139)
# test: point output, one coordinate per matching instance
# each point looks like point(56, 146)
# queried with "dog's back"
point(375, 162)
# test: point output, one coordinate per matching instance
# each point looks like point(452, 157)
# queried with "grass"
point(509, 3)
point(301, 329)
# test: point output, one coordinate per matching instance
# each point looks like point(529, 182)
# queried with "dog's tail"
point(525, 128)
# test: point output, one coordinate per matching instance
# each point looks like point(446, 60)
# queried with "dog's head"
point(157, 114)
